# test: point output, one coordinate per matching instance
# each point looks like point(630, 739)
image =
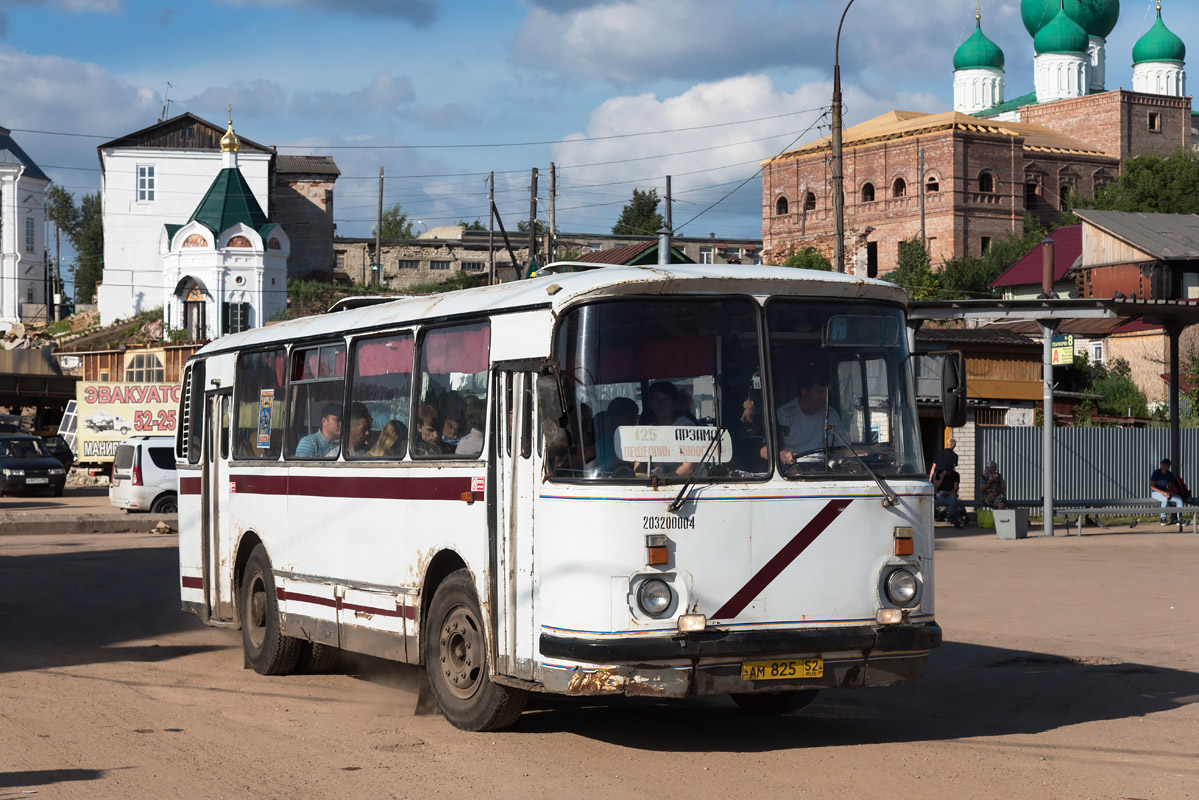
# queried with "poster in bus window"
point(109, 411)
point(266, 404)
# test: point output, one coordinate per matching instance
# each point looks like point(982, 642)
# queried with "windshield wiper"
point(679, 499)
point(890, 499)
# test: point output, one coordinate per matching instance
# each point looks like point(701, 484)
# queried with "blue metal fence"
point(1088, 463)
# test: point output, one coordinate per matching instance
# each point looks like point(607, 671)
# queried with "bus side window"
point(449, 417)
point(315, 394)
point(381, 383)
point(257, 424)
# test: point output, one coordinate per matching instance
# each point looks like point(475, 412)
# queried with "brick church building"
point(968, 176)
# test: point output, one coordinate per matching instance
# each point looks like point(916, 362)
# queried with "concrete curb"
point(44, 524)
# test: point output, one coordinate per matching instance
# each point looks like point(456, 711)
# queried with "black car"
point(59, 448)
point(26, 465)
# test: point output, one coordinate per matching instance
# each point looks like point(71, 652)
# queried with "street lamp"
point(426, 227)
point(838, 172)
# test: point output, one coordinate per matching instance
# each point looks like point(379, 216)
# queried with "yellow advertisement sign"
point(109, 411)
point(1061, 350)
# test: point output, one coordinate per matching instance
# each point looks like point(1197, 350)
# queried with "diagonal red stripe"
point(775, 566)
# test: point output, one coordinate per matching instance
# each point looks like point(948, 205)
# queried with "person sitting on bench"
point(1161, 482)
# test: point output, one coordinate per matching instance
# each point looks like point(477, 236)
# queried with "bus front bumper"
point(711, 662)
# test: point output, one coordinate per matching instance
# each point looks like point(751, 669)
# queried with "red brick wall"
point(1117, 121)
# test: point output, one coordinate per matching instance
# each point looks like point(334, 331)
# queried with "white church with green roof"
point(1069, 59)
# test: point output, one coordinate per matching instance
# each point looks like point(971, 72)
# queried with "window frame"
point(281, 399)
point(293, 352)
point(145, 183)
point(30, 234)
point(351, 369)
point(418, 384)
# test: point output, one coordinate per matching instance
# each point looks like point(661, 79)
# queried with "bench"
point(1129, 510)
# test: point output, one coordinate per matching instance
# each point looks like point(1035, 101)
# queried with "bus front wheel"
point(456, 661)
point(268, 651)
point(775, 703)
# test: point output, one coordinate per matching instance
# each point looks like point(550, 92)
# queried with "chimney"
point(1047, 255)
point(664, 246)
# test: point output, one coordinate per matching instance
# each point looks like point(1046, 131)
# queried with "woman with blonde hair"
point(393, 441)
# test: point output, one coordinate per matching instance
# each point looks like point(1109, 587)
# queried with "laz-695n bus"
point(657, 481)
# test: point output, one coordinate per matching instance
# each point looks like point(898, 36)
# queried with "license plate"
point(37, 480)
point(791, 668)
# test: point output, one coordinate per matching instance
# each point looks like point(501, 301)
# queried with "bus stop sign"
point(1063, 350)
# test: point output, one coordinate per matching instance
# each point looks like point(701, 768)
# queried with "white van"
point(143, 475)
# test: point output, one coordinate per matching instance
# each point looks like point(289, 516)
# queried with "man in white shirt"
point(802, 420)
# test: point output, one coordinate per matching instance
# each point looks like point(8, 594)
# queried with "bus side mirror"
point(953, 390)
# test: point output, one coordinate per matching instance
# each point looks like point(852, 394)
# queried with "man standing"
point(946, 458)
point(326, 442)
point(1161, 482)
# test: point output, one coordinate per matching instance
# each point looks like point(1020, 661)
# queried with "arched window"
point(780, 206)
point(932, 185)
point(899, 188)
point(986, 183)
point(868, 193)
point(239, 241)
point(809, 202)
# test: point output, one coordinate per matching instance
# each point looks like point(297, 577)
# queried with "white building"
point(225, 269)
point(153, 178)
point(22, 231)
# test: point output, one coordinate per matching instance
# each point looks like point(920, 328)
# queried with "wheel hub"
point(460, 647)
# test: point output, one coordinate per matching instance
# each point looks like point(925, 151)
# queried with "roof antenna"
point(166, 102)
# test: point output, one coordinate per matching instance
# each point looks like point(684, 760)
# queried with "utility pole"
point(669, 218)
point(553, 248)
point(838, 165)
point(491, 229)
point(532, 220)
point(377, 277)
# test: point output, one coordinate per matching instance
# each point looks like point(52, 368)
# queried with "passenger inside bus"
point(471, 443)
point(429, 424)
point(360, 429)
point(621, 412)
point(326, 442)
point(454, 426)
point(661, 409)
point(392, 443)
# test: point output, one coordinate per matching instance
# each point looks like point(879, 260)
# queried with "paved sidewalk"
point(81, 509)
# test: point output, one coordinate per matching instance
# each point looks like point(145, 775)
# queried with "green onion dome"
point(1061, 35)
point(1097, 17)
point(978, 52)
point(1159, 44)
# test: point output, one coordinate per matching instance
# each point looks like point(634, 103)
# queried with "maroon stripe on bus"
point(189, 485)
point(336, 602)
point(192, 583)
point(355, 486)
point(775, 566)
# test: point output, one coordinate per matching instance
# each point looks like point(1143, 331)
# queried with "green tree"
point(1118, 395)
point(61, 210)
point(807, 258)
point(971, 276)
point(523, 226)
point(88, 240)
point(395, 224)
point(914, 272)
point(472, 226)
point(1151, 184)
point(640, 216)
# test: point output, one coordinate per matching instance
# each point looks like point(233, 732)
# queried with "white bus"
point(657, 481)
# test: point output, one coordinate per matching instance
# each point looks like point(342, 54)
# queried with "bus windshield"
point(662, 389)
point(841, 389)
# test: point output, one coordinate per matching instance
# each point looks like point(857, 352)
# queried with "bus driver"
point(802, 420)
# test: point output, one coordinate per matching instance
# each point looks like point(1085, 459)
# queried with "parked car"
point(59, 448)
point(144, 476)
point(26, 465)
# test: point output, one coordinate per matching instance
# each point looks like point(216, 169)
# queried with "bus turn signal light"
point(656, 551)
point(904, 544)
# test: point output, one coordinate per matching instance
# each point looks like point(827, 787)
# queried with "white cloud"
point(704, 164)
point(72, 6)
point(384, 96)
point(629, 42)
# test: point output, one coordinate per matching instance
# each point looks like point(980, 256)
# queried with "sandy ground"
point(1070, 670)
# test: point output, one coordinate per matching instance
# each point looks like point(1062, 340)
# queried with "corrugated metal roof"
point(1067, 243)
point(973, 336)
point(617, 255)
point(1165, 237)
point(312, 165)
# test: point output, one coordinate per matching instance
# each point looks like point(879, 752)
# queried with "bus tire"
point(268, 651)
point(775, 703)
point(316, 659)
point(456, 661)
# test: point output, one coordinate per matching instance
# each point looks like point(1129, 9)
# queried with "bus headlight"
point(901, 587)
point(654, 597)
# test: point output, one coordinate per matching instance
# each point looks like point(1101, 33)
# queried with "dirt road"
point(1070, 670)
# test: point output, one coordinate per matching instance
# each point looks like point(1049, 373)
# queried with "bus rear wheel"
point(268, 651)
point(456, 661)
point(775, 703)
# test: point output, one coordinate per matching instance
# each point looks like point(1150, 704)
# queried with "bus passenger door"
point(512, 560)
point(218, 411)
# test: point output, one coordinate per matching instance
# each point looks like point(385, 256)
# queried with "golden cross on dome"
point(230, 113)
point(978, 9)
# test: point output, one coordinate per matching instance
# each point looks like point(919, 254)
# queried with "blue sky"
point(396, 83)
